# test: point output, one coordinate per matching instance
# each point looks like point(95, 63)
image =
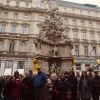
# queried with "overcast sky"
point(95, 2)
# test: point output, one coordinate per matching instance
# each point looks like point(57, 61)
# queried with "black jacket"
point(96, 85)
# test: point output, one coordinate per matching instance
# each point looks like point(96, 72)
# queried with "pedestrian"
point(27, 87)
point(68, 92)
point(7, 92)
point(90, 76)
point(1, 87)
point(39, 82)
point(85, 86)
point(16, 87)
point(73, 84)
point(96, 86)
point(78, 80)
point(60, 88)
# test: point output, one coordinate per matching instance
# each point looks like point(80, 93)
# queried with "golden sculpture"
point(35, 66)
point(98, 61)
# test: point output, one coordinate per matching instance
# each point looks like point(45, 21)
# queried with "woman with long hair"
point(85, 86)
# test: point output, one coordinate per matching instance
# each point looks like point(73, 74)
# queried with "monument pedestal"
point(54, 57)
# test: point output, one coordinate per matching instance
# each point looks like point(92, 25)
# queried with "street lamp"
point(98, 61)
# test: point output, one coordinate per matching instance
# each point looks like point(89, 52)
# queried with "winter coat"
point(27, 88)
point(85, 88)
point(60, 89)
point(73, 86)
point(7, 93)
point(96, 85)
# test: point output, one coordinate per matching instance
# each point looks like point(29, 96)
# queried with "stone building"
point(19, 28)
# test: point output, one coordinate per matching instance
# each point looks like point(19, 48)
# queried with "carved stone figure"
point(55, 53)
point(52, 28)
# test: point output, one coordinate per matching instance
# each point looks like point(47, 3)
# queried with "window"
point(84, 35)
point(15, 16)
point(24, 29)
point(3, 27)
point(11, 46)
point(75, 35)
point(9, 64)
point(77, 50)
point(92, 36)
point(90, 24)
point(74, 22)
point(21, 64)
point(82, 23)
point(1, 45)
point(26, 16)
point(27, 4)
point(14, 29)
point(86, 50)
point(94, 49)
point(23, 46)
point(8, 1)
point(5, 15)
point(66, 21)
point(17, 4)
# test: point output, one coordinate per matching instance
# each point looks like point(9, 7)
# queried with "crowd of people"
point(65, 86)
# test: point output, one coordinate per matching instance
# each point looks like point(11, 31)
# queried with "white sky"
point(95, 2)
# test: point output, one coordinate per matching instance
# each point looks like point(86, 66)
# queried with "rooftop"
point(78, 5)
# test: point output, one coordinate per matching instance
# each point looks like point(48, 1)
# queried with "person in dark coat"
point(90, 76)
point(96, 86)
point(7, 92)
point(39, 83)
point(85, 87)
point(78, 80)
point(1, 86)
point(60, 88)
point(27, 88)
point(73, 84)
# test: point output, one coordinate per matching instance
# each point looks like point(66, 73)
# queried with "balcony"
point(16, 54)
point(17, 35)
point(93, 42)
point(85, 41)
point(76, 40)
point(83, 30)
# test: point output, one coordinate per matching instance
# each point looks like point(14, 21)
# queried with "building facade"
point(19, 27)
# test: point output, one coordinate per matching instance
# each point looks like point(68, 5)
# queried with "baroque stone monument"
point(54, 49)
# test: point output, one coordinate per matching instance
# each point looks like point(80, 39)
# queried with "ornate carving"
point(51, 28)
point(83, 30)
point(91, 31)
point(75, 29)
